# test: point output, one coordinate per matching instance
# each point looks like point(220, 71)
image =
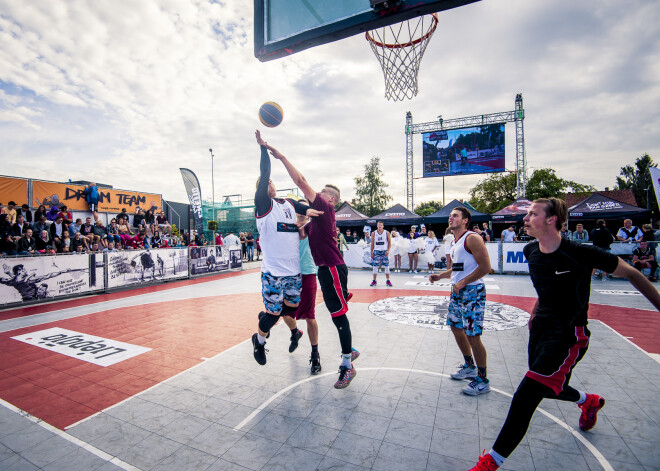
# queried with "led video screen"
point(478, 149)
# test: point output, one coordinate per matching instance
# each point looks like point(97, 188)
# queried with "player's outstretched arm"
point(639, 281)
point(295, 175)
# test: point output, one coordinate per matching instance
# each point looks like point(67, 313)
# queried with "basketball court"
point(192, 397)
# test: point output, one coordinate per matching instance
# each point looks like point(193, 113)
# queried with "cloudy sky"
point(126, 92)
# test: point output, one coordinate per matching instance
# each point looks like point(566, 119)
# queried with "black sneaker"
point(315, 361)
point(294, 340)
point(259, 350)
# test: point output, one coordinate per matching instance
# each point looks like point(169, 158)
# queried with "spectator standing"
point(485, 228)
point(26, 244)
point(91, 193)
point(258, 247)
point(565, 233)
point(57, 230)
point(431, 246)
point(10, 211)
point(396, 251)
point(249, 243)
point(629, 233)
point(580, 235)
point(124, 215)
point(231, 239)
point(413, 251)
point(482, 234)
point(644, 257)
point(218, 238)
point(41, 211)
point(446, 241)
point(366, 230)
point(509, 234)
point(349, 237)
point(241, 237)
point(25, 211)
point(341, 241)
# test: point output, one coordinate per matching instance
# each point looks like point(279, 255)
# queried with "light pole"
point(212, 193)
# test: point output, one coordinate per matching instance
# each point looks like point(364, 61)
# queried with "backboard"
point(284, 27)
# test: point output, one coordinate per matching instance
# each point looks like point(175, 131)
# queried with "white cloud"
point(127, 92)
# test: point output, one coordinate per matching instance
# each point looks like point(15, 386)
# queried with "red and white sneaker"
point(590, 409)
point(486, 463)
point(346, 375)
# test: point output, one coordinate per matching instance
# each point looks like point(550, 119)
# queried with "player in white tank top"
point(381, 241)
point(470, 263)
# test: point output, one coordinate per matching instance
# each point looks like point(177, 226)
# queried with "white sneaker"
point(465, 372)
point(477, 387)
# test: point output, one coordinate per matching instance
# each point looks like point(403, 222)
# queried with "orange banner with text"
point(110, 201)
point(13, 189)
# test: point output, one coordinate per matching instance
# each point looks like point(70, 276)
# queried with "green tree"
point(499, 190)
point(428, 207)
point(638, 179)
point(371, 197)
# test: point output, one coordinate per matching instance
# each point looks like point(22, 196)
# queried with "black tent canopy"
point(397, 214)
point(442, 215)
point(598, 206)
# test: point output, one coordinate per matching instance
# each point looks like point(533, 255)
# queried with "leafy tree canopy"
point(371, 198)
point(638, 179)
point(428, 207)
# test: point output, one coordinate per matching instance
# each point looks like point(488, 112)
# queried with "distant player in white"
point(396, 238)
point(431, 245)
point(381, 241)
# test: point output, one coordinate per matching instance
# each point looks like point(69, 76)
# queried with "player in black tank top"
point(558, 339)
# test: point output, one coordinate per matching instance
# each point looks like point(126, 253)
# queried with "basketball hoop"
point(399, 48)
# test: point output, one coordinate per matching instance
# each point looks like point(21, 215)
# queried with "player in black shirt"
point(561, 273)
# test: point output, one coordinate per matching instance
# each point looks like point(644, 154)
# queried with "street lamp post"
point(212, 192)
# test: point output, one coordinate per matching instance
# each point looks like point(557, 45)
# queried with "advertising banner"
point(110, 201)
point(13, 189)
point(139, 266)
point(513, 259)
point(194, 196)
point(478, 149)
point(38, 278)
point(208, 259)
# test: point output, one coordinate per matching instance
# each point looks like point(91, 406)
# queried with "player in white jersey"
point(281, 280)
point(470, 263)
point(381, 241)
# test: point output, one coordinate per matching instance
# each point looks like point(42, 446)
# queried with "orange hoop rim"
point(410, 43)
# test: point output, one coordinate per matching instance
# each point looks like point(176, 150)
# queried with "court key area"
point(163, 378)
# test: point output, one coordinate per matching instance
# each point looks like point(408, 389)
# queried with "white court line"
point(70, 438)
point(594, 451)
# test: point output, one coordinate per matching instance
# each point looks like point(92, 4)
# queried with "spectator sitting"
point(628, 233)
point(80, 249)
point(40, 224)
point(249, 242)
point(77, 242)
point(66, 215)
point(149, 218)
point(41, 211)
point(580, 235)
point(132, 243)
point(111, 247)
point(100, 234)
point(95, 247)
point(481, 233)
point(644, 257)
point(124, 231)
point(138, 220)
point(64, 244)
point(162, 222)
point(91, 193)
point(10, 211)
point(57, 230)
point(87, 231)
point(75, 227)
point(565, 233)
point(51, 215)
point(26, 244)
point(123, 215)
point(156, 240)
point(509, 234)
point(27, 214)
point(185, 238)
point(43, 243)
point(113, 233)
point(20, 227)
point(7, 242)
point(647, 233)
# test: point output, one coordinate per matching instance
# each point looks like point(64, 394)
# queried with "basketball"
point(271, 114)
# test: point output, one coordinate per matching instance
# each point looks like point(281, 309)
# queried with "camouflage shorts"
point(466, 309)
point(277, 289)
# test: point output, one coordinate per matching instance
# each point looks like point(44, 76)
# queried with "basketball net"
point(399, 48)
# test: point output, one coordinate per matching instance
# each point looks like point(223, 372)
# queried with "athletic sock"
point(481, 372)
point(261, 339)
point(583, 397)
point(499, 459)
point(294, 330)
point(315, 348)
point(346, 360)
point(468, 360)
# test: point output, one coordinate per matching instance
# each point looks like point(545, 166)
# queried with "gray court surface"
point(401, 412)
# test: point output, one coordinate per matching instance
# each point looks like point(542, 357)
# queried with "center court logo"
point(96, 350)
point(431, 312)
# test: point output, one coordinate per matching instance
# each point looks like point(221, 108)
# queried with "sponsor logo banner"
point(14, 189)
point(89, 348)
point(139, 266)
